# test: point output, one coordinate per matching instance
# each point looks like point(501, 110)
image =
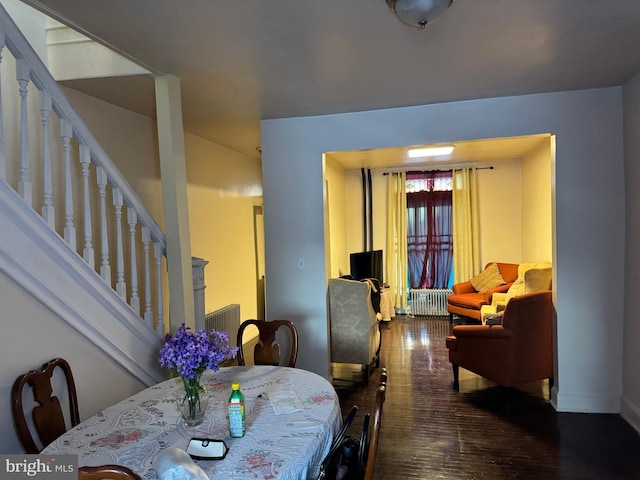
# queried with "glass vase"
point(193, 404)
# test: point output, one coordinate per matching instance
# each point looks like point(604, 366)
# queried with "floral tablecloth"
point(287, 445)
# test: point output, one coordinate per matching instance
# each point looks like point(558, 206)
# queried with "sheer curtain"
point(429, 229)
point(466, 251)
point(396, 255)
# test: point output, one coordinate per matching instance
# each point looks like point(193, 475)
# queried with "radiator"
point(429, 302)
point(225, 319)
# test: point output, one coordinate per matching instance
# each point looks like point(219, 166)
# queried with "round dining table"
point(291, 417)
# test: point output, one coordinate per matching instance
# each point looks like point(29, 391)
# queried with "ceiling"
point(243, 61)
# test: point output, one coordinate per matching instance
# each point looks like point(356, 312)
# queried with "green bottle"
point(236, 411)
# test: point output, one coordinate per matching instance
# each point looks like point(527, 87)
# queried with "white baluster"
point(105, 268)
point(24, 185)
point(121, 286)
point(48, 210)
point(157, 249)
point(85, 161)
point(148, 314)
point(3, 157)
point(69, 230)
point(132, 218)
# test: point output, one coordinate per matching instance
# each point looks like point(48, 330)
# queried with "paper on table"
point(285, 402)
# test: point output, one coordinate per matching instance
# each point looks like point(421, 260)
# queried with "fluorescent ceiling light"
point(430, 151)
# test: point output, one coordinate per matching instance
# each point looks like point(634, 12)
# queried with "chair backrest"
point(328, 466)
point(47, 416)
point(383, 376)
point(375, 432)
point(267, 350)
point(363, 448)
point(355, 333)
point(107, 472)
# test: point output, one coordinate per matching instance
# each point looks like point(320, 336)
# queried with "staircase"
point(73, 233)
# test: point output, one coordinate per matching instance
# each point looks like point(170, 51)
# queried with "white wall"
point(631, 379)
point(32, 335)
point(589, 192)
point(32, 24)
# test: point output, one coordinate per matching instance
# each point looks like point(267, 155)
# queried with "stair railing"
point(129, 244)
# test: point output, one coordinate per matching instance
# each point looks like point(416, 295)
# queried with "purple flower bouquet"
point(189, 355)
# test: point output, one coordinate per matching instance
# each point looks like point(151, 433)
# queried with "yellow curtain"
point(466, 251)
point(396, 255)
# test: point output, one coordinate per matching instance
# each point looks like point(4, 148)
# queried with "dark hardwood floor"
point(483, 431)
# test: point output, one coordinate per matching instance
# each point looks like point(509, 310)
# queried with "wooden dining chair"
point(383, 376)
point(363, 448)
point(267, 350)
point(330, 462)
point(47, 416)
point(107, 472)
point(375, 432)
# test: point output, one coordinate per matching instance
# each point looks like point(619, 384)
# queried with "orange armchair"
point(466, 301)
point(519, 350)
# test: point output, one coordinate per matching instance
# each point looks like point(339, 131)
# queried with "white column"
point(174, 200)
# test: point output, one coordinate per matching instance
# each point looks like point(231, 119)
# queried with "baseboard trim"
point(586, 403)
point(630, 412)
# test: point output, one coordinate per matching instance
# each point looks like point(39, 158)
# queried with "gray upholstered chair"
point(355, 330)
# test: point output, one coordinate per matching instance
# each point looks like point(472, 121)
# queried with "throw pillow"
point(489, 278)
point(519, 287)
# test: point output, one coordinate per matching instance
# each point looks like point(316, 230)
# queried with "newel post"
point(197, 267)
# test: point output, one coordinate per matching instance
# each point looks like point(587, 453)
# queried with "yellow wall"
point(500, 212)
point(354, 214)
point(223, 187)
point(514, 208)
point(537, 223)
point(336, 211)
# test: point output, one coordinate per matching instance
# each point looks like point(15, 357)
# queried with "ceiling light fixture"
point(417, 13)
point(430, 151)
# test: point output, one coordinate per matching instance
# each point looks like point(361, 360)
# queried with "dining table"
point(291, 418)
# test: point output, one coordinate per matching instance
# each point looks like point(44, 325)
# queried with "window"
point(429, 229)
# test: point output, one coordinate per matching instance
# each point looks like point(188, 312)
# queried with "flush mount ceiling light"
point(430, 151)
point(417, 13)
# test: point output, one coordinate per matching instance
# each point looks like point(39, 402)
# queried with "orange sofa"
point(466, 301)
point(517, 351)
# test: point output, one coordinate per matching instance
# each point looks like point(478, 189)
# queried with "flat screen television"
point(366, 265)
